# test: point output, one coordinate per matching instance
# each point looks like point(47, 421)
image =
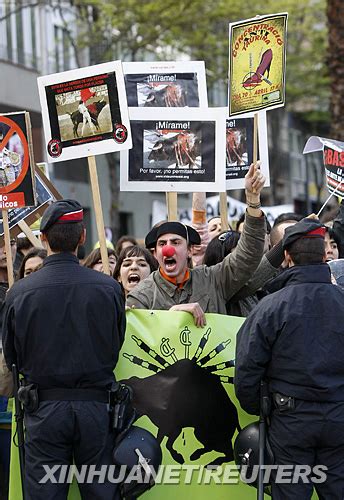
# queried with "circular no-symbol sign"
point(14, 128)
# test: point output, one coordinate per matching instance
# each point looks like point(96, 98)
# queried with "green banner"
point(182, 378)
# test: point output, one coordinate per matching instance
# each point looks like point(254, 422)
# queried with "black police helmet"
point(139, 448)
point(246, 451)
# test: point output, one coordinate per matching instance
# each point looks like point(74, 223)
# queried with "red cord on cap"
point(168, 251)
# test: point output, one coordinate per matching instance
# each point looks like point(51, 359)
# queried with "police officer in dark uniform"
point(294, 339)
point(64, 326)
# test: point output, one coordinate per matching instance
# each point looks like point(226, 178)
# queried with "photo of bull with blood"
point(175, 149)
point(83, 113)
point(161, 90)
point(239, 147)
point(171, 149)
point(170, 95)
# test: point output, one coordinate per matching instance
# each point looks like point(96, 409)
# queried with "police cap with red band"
point(173, 227)
point(306, 228)
point(61, 212)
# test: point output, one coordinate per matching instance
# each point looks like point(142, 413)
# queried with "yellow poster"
point(257, 54)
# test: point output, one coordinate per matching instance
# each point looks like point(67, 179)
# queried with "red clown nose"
point(168, 251)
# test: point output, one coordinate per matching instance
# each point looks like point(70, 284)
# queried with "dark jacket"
point(64, 325)
point(295, 339)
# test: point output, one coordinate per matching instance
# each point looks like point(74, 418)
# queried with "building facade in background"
point(34, 42)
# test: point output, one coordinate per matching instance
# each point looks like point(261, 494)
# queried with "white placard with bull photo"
point(239, 149)
point(178, 150)
point(165, 84)
point(85, 112)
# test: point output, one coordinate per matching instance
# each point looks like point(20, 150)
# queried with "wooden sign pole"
point(224, 211)
point(255, 140)
point(171, 202)
point(36, 242)
point(98, 212)
point(255, 137)
point(7, 238)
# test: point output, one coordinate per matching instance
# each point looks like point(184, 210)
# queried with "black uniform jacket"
point(294, 338)
point(64, 325)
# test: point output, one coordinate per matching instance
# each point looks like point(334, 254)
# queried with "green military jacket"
point(212, 287)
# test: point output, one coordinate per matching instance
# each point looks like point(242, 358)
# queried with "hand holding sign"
point(254, 183)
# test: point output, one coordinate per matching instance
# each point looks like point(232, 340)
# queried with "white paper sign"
point(85, 112)
point(333, 157)
point(175, 149)
point(239, 149)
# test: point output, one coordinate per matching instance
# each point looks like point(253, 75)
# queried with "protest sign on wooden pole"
point(98, 212)
point(171, 203)
point(7, 238)
point(36, 242)
point(224, 211)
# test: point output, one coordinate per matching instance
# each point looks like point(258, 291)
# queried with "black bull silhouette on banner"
point(187, 394)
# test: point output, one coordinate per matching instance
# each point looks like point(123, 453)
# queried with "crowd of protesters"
point(199, 268)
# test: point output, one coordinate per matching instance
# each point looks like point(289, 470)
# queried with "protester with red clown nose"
point(174, 286)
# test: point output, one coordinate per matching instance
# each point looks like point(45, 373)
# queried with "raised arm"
point(238, 267)
point(199, 222)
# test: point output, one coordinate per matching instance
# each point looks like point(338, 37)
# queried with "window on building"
point(9, 32)
point(125, 223)
point(33, 38)
point(66, 50)
point(20, 32)
point(57, 48)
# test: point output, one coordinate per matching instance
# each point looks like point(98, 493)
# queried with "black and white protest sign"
point(175, 150)
point(85, 112)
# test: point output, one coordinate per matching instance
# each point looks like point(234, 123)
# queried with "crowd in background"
point(130, 263)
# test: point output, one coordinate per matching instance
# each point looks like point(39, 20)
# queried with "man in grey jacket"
point(203, 289)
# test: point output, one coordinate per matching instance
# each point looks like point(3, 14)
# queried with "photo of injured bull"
point(171, 149)
point(175, 150)
point(165, 85)
point(239, 149)
point(85, 112)
point(169, 95)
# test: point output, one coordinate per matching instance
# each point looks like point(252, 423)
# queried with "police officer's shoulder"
point(81, 275)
